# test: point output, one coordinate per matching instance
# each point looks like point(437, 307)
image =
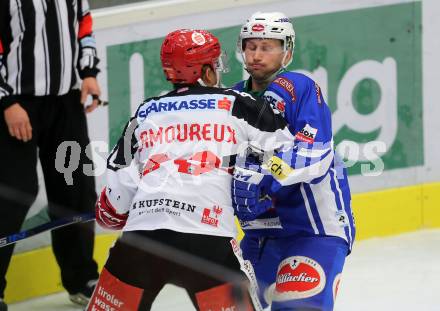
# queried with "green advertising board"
point(367, 58)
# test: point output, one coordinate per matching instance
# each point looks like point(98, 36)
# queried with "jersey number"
point(199, 163)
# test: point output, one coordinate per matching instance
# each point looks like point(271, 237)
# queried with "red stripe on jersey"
point(1, 47)
point(85, 26)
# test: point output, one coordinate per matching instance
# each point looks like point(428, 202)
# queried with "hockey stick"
point(13, 238)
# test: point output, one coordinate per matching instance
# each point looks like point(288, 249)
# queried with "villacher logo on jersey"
point(298, 277)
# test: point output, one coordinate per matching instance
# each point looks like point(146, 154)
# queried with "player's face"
point(263, 57)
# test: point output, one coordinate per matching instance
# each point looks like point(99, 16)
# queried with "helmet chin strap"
point(284, 66)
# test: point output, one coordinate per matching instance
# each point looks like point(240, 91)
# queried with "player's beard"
point(263, 76)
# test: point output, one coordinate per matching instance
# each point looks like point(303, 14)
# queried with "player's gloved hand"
point(249, 188)
point(106, 215)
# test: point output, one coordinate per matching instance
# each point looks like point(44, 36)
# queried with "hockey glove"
point(249, 188)
point(106, 215)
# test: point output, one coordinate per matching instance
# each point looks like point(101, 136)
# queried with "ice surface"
point(395, 273)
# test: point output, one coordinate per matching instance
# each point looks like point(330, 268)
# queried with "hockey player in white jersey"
point(169, 177)
point(297, 244)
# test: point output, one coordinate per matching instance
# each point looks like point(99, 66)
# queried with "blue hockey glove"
point(249, 188)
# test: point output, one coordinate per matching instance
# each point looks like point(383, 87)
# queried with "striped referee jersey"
point(45, 47)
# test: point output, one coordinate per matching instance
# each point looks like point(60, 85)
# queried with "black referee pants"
point(54, 119)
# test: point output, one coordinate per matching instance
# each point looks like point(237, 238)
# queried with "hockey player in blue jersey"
point(297, 241)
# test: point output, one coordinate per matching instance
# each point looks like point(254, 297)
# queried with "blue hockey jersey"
point(316, 199)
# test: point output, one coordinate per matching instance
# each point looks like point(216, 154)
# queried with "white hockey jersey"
point(171, 169)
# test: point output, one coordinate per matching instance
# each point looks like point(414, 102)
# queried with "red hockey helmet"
point(185, 51)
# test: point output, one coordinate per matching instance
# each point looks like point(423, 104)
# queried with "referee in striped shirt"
point(48, 68)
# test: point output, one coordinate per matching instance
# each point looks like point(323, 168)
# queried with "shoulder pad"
point(287, 85)
point(291, 85)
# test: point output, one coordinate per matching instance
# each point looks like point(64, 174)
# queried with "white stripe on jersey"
point(342, 203)
point(76, 47)
point(3, 92)
point(14, 57)
point(261, 223)
point(41, 52)
point(312, 153)
point(65, 44)
point(308, 209)
point(327, 207)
